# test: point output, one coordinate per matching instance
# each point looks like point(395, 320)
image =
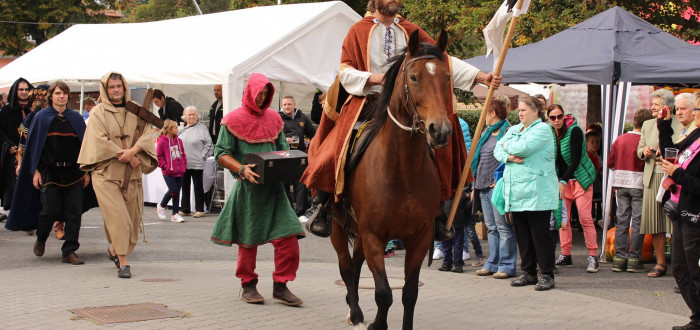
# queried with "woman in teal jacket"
point(530, 191)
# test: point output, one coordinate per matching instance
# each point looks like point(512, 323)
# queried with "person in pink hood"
point(256, 213)
point(173, 163)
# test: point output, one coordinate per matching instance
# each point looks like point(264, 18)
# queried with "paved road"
point(38, 292)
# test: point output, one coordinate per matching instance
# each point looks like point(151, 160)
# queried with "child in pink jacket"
point(173, 163)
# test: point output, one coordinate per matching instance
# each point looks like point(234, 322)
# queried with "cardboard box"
point(278, 166)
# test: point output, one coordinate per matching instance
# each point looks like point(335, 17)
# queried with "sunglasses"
point(557, 117)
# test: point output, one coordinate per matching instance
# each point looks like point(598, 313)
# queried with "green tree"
point(465, 19)
point(213, 6)
point(672, 16)
point(38, 18)
point(358, 5)
point(158, 10)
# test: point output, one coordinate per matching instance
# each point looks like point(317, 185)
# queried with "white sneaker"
point(177, 218)
point(465, 255)
point(438, 254)
point(161, 212)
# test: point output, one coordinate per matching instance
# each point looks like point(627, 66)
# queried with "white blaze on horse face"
point(431, 68)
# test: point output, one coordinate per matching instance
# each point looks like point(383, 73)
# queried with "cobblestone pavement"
point(38, 293)
point(40, 298)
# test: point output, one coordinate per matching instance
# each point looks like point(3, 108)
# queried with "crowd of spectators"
point(549, 168)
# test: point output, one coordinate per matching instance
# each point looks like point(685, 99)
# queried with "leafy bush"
point(472, 118)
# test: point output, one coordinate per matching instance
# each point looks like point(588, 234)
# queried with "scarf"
point(502, 125)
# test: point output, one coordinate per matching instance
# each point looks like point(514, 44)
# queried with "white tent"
point(296, 46)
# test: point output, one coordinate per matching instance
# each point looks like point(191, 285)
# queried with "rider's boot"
point(320, 223)
point(442, 233)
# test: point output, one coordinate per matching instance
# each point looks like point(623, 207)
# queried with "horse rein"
point(417, 125)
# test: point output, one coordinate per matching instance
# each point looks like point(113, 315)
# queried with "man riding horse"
point(367, 47)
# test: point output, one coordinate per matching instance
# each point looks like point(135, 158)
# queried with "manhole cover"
point(126, 313)
point(395, 283)
point(159, 280)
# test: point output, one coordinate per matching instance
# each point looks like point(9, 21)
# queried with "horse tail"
point(346, 224)
point(430, 254)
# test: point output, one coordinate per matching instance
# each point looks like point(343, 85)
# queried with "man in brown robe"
point(106, 151)
point(366, 48)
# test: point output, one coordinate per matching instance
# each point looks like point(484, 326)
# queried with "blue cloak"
point(26, 202)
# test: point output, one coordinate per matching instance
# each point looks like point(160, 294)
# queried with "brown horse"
point(394, 191)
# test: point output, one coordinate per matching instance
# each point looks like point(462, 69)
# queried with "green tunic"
point(254, 214)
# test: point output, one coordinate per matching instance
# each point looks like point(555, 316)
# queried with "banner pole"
point(482, 118)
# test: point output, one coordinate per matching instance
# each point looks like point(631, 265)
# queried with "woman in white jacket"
point(198, 147)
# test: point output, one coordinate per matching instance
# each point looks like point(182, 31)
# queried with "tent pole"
point(482, 118)
point(196, 6)
point(82, 95)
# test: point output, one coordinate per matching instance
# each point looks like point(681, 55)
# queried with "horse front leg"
point(374, 252)
point(415, 254)
point(340, 240)
point(358, 259)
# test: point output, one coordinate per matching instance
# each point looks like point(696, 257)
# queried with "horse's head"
point(426, 89)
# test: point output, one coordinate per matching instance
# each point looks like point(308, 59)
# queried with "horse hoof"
point(360, 326)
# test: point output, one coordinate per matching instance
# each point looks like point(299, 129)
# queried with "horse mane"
point(379, 110)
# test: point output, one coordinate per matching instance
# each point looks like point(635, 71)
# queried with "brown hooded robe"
point(121, 209)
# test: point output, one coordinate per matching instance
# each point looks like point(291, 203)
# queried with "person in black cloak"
point(50, 173)
point(38, 100)
point(11, 116)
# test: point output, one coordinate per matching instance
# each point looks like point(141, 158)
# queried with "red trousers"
point(286, 261)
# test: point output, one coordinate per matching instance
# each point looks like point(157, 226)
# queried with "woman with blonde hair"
point(172, 161)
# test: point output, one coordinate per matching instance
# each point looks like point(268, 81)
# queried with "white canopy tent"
point(296, 46)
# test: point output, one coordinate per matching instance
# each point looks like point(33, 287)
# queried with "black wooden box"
point(278, 166)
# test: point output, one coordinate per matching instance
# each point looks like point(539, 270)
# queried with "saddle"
point(359, 141)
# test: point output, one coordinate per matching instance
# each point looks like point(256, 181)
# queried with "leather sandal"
point(658, 271)
point(124, 272)
point(114, 258)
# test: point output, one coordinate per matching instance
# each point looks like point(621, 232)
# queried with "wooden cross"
point(145, 116)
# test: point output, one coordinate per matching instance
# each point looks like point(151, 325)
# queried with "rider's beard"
point(388, 9)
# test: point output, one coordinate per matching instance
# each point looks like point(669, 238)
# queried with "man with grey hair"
point(684, 111)
point(654, 220)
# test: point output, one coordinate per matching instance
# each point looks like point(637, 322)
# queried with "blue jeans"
point(452, 248)
point(470, 235)
point(174, 185)
point(503, 249)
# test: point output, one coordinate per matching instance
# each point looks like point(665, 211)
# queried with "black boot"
point(250, 293)
point(319, 223)
point(441, 232)
point(282, 293)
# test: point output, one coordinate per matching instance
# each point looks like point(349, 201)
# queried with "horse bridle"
point(417, 124)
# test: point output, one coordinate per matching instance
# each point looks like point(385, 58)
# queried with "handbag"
point(497, 198)
point(667, 184)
